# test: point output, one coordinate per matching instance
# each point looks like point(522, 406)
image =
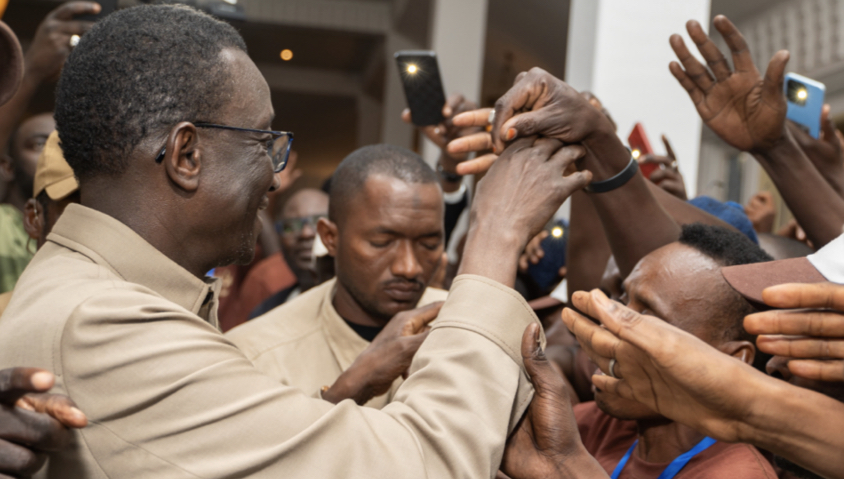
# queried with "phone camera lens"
point(797, 93)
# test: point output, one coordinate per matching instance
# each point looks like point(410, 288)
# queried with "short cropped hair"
point(729, 248)
point(388, 160)
point(139, 71)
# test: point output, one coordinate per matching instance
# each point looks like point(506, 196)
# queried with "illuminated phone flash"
point(802, 94)
point(412, 69)
point(636, 154)
point(557, 232)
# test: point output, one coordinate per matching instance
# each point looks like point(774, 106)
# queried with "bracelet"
point(616, 181)
point(449, 177)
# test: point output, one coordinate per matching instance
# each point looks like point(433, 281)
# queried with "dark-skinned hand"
point(743, 108)
point(826, 153)
point(51, 45)
point(32, 422)
point(808, 327)
point(546, 443)
point(386, 358)
point(668, 176)
point(533, 252)
point(760, 210)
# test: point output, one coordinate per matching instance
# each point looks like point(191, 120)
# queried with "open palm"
point(743, 108)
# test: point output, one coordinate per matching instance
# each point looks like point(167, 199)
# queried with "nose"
point(405, 264)
point(308, 231)
point(778, 367)
point(276, 182)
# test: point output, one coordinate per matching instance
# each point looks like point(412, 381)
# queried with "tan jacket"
point(304, 343)
point(131, 338)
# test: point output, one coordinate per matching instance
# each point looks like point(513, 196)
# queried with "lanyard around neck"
point(675, 466)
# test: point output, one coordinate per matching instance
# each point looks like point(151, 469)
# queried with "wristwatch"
point(450, 177)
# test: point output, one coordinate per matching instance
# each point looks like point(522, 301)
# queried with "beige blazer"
point(305, 344)
point(132, 339)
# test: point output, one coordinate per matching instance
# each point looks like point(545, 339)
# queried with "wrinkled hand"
point(794, 231)
point(447, 131)
point(668, 176)
point(743, 108)
point(51, 45)
point(814, 337)
point(533, 253)
point(761, 212)
point(826, 153)
point(387, 357)
point(546, 444)
point(667, 369)
point(32, 421)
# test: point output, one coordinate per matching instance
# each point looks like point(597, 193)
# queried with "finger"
point(72, 9)
point(827, 127)
point(478, 117)
point(567, 155)
point(475, 142)
point(818, 370)
point(801, 347)
point(698, 74)
point(621, 320)
point(545, 380)
point(32, 429)
point(668, 149)
point(75, 27)
point(820, 324)
point(521, 96)
point(774, 78)
point(609, 384)
point(58, 406)
point(660, 160)
point(452, 104)
point(15, 382)
point(477, 166)
point(713, 56)
point(686, 82)
point(523, 263)
point(792, 296)
point(421, 317)
point(435, 134)
point(742, 60)
point(598, 343)
point(405, 116)
point(19, 461)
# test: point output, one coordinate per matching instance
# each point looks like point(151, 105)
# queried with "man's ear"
point(183, 157)
point(329, 235)
point(32, 221)
point(744, 351)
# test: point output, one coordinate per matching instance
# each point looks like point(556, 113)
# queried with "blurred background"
point(334, 81)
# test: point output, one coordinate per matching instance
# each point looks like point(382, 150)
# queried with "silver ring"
point(612, 368)
point(74, 40)
point(491, 118)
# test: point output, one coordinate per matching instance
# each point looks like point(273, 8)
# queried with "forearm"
point(800, 425)
point(581, 465)
point(587, 251)
point(814, 203)
point(12, 112)
point(492, 252)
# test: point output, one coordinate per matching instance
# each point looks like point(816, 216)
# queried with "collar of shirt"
point(112, 244)
point(829, 260)
point(344, 342)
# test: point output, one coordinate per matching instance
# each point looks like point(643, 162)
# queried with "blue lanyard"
point(675, 466)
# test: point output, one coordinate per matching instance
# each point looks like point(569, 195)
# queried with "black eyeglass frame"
point(277, 168)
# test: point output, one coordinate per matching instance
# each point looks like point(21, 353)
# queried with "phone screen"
point(423, 88)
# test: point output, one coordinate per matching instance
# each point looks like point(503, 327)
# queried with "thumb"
point(827, 127)
point(774, 77)
point(536, 363)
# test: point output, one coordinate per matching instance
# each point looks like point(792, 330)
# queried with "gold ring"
point(74, 40)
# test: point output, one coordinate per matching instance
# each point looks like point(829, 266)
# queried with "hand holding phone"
point(805, 102)
point(640, 147)
point(420, 75)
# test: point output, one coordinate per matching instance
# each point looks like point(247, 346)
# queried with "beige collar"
point(344, 342)
point(112, 244)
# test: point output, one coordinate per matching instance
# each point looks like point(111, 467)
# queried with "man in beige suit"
point(385, 232)
point(165, 121)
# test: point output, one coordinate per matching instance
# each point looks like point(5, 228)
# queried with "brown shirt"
point(132, 339)
point(608, 439)
point(306, 344)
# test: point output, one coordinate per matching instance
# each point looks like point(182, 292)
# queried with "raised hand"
point(387, 357)
point(51, 45)
point(760, 210)
point(810, 329)
point(826, 153)
point(546, 443)
point(32, 422)
point(743, 108)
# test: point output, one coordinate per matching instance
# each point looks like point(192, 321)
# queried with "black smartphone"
point(423, 87)
point(108, 7)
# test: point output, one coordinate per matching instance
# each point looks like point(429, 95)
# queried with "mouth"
point(403, 292)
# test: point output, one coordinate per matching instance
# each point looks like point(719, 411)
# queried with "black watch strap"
point(616, 181)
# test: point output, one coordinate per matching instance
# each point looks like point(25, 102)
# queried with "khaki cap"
point(11, 63)
point(751, 279)
point(53, 174)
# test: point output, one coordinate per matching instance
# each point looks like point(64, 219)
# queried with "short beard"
point(369, 307)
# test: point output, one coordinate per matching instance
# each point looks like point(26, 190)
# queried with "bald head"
point(388, 161)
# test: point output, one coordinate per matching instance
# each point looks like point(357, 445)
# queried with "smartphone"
point(423, 87)
point(108, 6)
point(805, 102)
point(639, 147)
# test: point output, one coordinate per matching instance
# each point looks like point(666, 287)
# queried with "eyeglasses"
point(278, 147)
point(294, 226)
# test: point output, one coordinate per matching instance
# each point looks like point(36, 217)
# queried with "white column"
point(619, 50)
point(458, 35)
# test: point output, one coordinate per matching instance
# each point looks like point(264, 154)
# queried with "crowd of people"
point(164, 314)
